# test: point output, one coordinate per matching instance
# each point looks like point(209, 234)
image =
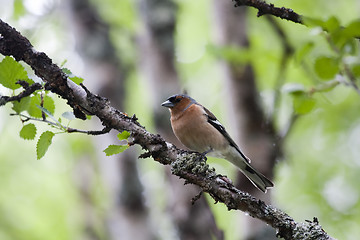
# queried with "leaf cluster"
point(38, 106)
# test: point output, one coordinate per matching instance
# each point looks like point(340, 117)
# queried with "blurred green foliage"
point(319, 173)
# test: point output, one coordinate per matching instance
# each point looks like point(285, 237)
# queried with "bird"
point(199, 130)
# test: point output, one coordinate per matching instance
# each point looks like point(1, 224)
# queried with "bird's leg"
point(203, 155)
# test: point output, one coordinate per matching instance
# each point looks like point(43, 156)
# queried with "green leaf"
point(303, 104)
point(43, 143)
point(34, 111)
point(326, 67)
point(67, 71)
point(115, 149)
point(353, 29)
point(76, 80)
point(356, 70)
point(10, 72)
point(304, 50)
point(19, 9)
point(332, 24)
point(23, 105)
point(123, 135)
point(313, 22)
point(28, 132)
point(63, 63)
point(72, 76)
point(48, 114)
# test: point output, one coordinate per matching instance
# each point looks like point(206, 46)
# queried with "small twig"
point(347, 71)
point(28, 118)
point(27, 92)
point(43, 115)
point(265, 8)
point(197, 197)
point(323, 87)
point(60, 126)
point(103, 131)
point(352, 78)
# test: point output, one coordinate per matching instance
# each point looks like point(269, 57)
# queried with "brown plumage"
point(199, 130)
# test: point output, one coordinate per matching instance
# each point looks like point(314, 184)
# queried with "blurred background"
point(260, 76)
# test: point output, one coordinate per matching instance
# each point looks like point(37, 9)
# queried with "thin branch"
point(269, 8)
point(352, 78)
point(58, 125)
point(346, 70)
point(183, 163)
point(27, 92)
point(103, 131)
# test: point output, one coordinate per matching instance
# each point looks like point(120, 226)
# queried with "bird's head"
point(178, 102)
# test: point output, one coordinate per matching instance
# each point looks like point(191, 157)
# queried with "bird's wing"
point(216, 124)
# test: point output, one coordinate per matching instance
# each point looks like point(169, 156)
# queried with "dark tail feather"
point(256, 178)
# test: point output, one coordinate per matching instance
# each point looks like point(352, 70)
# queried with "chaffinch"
point(199, 130)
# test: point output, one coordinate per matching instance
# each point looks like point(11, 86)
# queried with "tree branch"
point(183, 163)
point(266, 8)
point(28, 90)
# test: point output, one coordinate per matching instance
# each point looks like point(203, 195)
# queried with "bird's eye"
point(172, 99)
point(175, 99)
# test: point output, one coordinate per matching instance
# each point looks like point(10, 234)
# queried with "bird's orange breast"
point(194, 131)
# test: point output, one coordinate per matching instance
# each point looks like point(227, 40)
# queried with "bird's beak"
point(167, 104)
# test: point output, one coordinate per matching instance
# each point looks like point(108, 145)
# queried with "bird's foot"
point(202, 156)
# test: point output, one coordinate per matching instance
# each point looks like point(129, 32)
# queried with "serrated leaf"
point(10, 72)
point(76, 80)
point(23, 105)
point(67, 71)
point(43, 143)
point(123, 135)
point(326, 67)
point(115, 149)
point(303, 104)
point(28, 132)
point(68, 115)
point(34, 111)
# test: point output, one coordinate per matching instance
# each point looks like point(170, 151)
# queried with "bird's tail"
point(256, 178)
